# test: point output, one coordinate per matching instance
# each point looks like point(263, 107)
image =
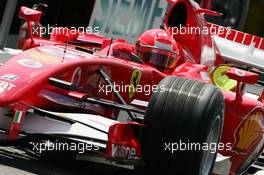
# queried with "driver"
point(157, 48)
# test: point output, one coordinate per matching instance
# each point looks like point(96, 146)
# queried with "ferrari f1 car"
point(166, 104)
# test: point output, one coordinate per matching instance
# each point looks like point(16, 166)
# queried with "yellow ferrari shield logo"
point(134, 82)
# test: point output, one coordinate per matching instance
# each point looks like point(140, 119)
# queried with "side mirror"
point(29, 14)
point(242, 76)
point(230, 78)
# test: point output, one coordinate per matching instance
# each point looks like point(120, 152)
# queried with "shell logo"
point(43, 57)
point(249, 132)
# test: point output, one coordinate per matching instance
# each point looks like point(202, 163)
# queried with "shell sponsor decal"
point(58, 52)
point(249, 132)
point(134, 82)
point(29, 63)
point(43, 57)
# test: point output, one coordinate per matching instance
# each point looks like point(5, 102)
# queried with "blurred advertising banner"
point(127, 18)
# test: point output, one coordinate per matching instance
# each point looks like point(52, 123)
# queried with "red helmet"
point(158, 48)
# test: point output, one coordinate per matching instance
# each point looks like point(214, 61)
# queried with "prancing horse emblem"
point(134, 82)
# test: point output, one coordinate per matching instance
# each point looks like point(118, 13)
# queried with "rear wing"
point(238, 36)
point(244, 50)
point(239, 48)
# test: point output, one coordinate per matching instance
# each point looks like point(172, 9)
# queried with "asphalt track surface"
point(14, 161)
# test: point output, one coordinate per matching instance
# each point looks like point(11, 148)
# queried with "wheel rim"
point(208, 156)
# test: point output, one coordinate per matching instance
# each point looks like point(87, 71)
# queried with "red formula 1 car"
point(154, 106)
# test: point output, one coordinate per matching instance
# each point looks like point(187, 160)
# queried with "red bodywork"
point(243, 125)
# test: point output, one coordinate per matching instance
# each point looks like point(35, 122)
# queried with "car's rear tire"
point(182, 111)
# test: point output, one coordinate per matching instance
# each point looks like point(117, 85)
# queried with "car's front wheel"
point(184, 121)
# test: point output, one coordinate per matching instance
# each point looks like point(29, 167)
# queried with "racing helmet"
point(159, 49)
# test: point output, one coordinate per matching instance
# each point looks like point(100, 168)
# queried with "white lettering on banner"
point(137, 16)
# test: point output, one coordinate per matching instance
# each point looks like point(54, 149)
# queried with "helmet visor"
point(160, 58)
